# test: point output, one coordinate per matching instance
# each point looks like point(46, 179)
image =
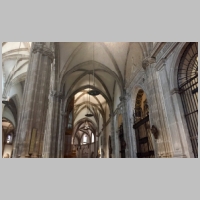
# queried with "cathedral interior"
point(100, 100)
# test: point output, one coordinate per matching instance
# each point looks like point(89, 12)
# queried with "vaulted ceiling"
point(113, 62)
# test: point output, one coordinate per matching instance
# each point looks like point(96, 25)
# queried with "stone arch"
point(68, 97)
point(79, 123)
point(97, 64)
point(135, 91)
point(86, 43)
point(175, 64)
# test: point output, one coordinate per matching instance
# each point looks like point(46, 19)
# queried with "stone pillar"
point(156, 109)
point(172, 121)
point(105, 142)
point(52, 127)
point(35, 100)
point(129, 153)
point(117, 146)
point(61, 135)
point(113, 143)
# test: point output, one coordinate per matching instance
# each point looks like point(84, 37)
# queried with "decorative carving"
point(41, 48)
point(146, 62)
point(154, 131)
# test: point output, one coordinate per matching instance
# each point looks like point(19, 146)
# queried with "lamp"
point(5, 102)
point(93, 92)
point(88, 114)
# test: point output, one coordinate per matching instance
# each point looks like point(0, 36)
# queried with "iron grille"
point(144, 139)
point(188, 88)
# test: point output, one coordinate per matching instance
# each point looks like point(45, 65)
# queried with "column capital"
point(125, 97)
point(147, 61)
point(43, 49)
point(122, 98)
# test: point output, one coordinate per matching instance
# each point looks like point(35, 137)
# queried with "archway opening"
point(83, 139)
point(188, 89)
point(7, 138)
point(142, 128)
point(79, 126)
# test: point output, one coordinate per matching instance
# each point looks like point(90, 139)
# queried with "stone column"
point(113, 143)
point(60, 152)
point(52, 126)
point(156, 109)
point(117, 146)
point(127, 126)
point(104, 145)
point(171, 116)
point(35, 100)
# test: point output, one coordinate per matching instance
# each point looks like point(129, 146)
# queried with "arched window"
point(188, 88)
point(9, 139)
point(85, 138)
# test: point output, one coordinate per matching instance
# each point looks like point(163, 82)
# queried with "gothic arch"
point(175, 64)
point(68, 97)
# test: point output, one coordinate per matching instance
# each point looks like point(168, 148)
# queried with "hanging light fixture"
point(93, 92)
point(5, 102)
point(89, 114)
